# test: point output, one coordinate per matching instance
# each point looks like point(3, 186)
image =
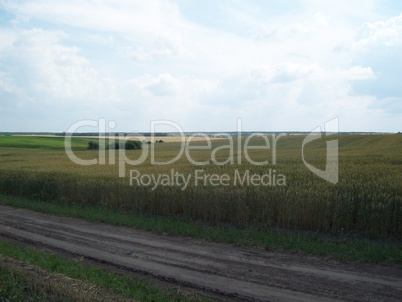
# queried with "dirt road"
point(247, 274)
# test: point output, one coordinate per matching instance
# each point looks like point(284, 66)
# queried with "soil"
point(223, 271)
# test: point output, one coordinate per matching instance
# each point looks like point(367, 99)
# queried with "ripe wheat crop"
point(366, 200)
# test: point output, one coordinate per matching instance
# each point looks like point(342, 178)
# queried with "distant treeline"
point(113, 134)
point(164, 134)
point(147, 134)
point(129, 145)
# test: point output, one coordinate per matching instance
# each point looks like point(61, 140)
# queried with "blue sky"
point(277, 65)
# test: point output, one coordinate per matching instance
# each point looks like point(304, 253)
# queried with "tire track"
point(246, 273)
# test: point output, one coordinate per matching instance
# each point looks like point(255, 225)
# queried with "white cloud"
point(303, 29)
point(280, 67)
point(358, 73)
point(378, 46)
point(47, 70)
point(287, 72)
point(161, 85)
point(127, 16)
point(382, 33)
point(160, 48)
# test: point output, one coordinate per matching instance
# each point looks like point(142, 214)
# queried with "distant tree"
point(129, 145)
point(116, 146)
point(93, 145)
point(133, 145)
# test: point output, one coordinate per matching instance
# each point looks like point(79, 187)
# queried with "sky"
point(201, 64)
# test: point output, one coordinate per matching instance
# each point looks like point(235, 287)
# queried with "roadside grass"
point(20, 281)
point(16, 285)
point(341, 247)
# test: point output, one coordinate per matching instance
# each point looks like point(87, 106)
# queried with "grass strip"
point(20, 281)
point(16, 286)
point(362, 250)
point(131, 288)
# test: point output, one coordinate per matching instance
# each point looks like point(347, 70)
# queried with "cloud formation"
point(278, 66)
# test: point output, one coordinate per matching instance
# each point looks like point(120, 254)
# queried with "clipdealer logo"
point(330, 173)
point(237, 147)
point(202, 178)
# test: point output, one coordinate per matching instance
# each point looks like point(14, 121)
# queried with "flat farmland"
point(219, 218)
point(366, 200)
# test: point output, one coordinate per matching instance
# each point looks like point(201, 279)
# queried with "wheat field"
point(367, 200)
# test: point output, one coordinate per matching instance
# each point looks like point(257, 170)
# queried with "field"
point(366, 202)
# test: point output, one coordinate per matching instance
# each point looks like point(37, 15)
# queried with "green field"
point(366, 202)
point(42, 142)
